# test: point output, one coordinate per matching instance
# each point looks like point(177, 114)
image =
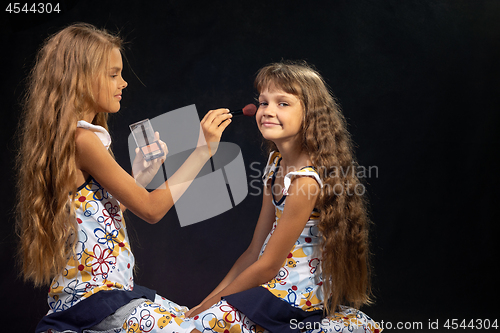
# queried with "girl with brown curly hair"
point(307, 267)
point(71, 191)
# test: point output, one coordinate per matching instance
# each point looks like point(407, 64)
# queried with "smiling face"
point(111, 84)
point(279, 116)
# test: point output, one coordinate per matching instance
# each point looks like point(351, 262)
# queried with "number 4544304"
point(480, 324)
point(36, 8)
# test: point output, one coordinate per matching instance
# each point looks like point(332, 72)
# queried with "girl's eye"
point(283, 104)
point(262, 103)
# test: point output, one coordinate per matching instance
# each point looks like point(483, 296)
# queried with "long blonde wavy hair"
point(60, 88)
point(344, 220)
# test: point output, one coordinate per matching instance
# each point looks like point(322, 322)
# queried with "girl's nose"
point(269, 111)
point(124, 84)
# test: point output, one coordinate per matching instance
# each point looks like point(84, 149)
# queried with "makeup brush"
point(249, 110)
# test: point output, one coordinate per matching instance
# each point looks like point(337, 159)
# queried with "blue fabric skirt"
point(271, 312)
point(91, 311)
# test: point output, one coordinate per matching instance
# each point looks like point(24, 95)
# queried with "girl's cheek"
point(257, 117)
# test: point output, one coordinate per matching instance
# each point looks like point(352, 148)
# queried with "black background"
point(418, 82)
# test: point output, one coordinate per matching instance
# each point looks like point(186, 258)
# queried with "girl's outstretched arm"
point(93, 158)
point(300, 202)
point(251, 254)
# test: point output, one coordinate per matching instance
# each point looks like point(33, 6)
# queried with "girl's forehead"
point(272, 87)
point(115, 57)
point(275, 90)
point(111, 61)
point(275, 86)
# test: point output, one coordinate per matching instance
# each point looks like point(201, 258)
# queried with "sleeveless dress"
point(104, 260)
point(293, 300)
point(96, 291)
point(299, 280)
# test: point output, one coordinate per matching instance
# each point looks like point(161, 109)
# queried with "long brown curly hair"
point(344, 220)
point(59, 90)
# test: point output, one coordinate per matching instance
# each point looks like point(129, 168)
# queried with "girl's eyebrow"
point(279, 96)
point(115, 69)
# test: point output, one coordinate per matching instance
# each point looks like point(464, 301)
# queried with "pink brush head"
point(249, 110)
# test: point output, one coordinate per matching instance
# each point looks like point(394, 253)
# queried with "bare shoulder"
point(84, 137)
point(90, 150)
point(302, 195)
point(88, 143)
point(304, 185)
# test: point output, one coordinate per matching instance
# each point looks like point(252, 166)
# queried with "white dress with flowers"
point(104, 262)
point(296, 287)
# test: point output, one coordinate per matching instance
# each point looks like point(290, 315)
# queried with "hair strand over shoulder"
point(59, 90)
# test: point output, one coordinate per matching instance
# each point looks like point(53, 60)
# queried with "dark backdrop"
point(418, 82)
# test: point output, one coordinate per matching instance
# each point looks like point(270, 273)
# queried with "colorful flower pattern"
point(298, 283)
point(299, 280)
point(161, 315)
point(104, 261)
point(103, 258)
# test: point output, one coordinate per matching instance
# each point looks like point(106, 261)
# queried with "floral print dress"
point(103, 265)
point(296, 289)
point(103, 260)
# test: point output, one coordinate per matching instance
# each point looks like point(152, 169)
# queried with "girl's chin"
point(268, 137)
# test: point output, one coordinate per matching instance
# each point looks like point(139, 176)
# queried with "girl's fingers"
point(163, 147)
point(215, 125)
point(223, 126)
point(212, 125)
point(213, 114)
point(224, 117)
point(204, 120)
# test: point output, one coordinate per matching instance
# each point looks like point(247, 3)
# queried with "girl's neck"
point(88, 116)
point(293, 156)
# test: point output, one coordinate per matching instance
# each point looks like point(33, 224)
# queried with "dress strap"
point(308, 171)
point(271, 166)
point(273, 180)
point(100, 131)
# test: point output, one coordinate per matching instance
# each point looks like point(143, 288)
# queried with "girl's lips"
point(268, 124)
point(118, 96)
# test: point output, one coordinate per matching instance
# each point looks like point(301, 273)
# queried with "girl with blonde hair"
point(307, 267)
point(71, 191)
